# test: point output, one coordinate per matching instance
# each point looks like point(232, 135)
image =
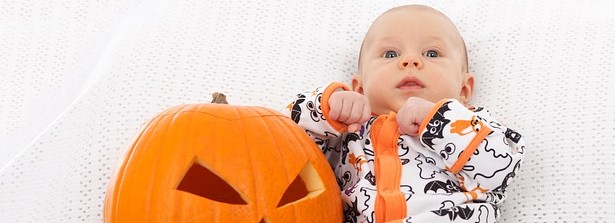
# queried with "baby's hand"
point(350, 108)
point(411, 114)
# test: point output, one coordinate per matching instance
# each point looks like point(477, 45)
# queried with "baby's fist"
point(411, 114)
point(350, 108)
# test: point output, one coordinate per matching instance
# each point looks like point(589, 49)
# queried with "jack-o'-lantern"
point(223, 163)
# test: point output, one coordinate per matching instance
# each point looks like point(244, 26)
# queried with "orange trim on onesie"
point(430, 115)
point(471, 196)
point(324, 103)
point(470, 148)
point(390, 205)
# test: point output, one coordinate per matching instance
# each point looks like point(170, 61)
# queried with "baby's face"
point(412, 52)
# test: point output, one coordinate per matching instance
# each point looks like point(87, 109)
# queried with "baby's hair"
point(465, 56)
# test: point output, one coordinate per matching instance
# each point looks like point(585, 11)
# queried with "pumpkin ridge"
point(240, 145)
point(279, 156)
point(168, 125)
point(266, 136)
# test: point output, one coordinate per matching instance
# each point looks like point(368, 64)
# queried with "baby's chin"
point(383, 110)
point(394, 108)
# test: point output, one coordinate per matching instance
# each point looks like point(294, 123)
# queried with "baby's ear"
point(467, 88)
point(357, 83)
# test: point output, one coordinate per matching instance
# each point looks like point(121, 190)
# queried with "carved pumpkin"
point(223, 163)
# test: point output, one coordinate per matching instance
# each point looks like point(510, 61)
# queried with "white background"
point(79, 78)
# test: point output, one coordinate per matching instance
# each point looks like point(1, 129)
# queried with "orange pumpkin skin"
point(259, 153)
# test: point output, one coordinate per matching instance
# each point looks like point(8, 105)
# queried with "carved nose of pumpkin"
point(264, 220)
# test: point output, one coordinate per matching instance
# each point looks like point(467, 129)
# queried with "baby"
point(403, 142)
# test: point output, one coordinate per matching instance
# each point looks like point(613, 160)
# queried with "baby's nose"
point(410, 61)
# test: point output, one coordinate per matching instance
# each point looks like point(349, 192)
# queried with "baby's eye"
point(390, 54)
point(431, 53)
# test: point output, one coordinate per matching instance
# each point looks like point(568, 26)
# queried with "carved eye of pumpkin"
point(203, 182)
point(306, 184)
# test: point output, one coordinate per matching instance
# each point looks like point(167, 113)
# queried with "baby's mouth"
point(410, 83)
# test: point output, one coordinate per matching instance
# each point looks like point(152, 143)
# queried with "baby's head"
point(412, 51)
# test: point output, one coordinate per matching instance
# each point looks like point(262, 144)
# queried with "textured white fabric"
point(80, 77)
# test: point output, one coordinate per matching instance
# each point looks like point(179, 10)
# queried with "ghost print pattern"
point(481, 152)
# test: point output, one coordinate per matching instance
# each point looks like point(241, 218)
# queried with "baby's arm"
point(480, 151)
point(350, 108)
point(411, 114)
point(330, 111)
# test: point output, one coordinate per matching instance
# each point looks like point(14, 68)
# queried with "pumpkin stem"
point(218, 98)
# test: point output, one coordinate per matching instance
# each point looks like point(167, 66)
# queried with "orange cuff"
point(430, 115)
point(470, 148)
point(324, 103)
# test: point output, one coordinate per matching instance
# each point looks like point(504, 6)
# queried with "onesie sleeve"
point(311, 111)
point(480, 151)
